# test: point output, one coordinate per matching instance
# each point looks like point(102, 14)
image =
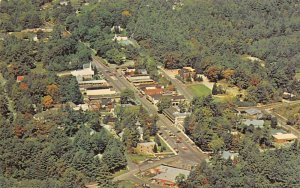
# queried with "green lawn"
point(199, 90)
point(127, 184)
point(135, 158)
point(39, 69)
point(120, 172)
point(298, 75)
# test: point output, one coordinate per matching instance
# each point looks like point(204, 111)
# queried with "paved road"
point(185, 148)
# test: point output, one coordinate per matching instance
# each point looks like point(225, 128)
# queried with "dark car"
point(145, 185)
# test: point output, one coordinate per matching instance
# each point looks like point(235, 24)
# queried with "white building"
point(86, 73)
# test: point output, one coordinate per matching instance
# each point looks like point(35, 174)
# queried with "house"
point(83, 107)
point(154, 98)
point(20, 78)
point(229, 155)
point(253, 111)
point(152, 90)
point(87, 73)
point(281, 138)
point(129, 71)
point(256, 123)
point(288, 96)
point(119, 38)
point(176, 99)
point(116, 29)
point(64, 3)
point(166, 175)
point(187, 73)
point(145, 148)
point(174, 115)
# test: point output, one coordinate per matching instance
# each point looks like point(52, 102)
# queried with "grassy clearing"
point(120, 173)
point(126, 184)
point(199, 90)
point(297, 75)
point(287, 110)
point(163, 144)
point(39, 69)
point(135, 158)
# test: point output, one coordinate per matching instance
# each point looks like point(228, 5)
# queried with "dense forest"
point(251, 169)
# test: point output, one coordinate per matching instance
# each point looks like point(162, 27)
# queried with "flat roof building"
point(136, 80)
point(100, 92)
point(174, 115)
point(167, 175)
point(284, 137)
point(256, 123)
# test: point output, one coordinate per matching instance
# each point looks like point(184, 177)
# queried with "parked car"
point(184, 148)
point(145, 185)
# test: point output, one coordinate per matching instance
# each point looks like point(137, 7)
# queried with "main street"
point(186, 149)
point(119, 82)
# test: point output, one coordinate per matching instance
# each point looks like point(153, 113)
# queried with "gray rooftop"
point(228, 155)
point(170, 173)
point(255, 122)
point(253, 111)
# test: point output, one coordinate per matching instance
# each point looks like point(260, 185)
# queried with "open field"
point(127, 184)
point(287, 110)
point(297, 75)
point(39, 69)
point(199, 90)
point(136, 158)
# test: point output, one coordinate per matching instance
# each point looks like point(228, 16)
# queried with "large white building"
point(86, 73)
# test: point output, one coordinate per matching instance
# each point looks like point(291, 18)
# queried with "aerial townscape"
point(149, 93)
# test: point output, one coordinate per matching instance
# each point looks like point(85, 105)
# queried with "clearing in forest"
point(199, 90)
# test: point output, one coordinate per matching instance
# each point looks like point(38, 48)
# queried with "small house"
point(256, 123)
point(20, 78)
point(284, 137)
point(166, 175)
point(187, 73)
point(87, 73)
point(229, 155)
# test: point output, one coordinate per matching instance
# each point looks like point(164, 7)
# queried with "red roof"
point(20, 78)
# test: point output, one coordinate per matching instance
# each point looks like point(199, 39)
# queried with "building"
point(154, 99)
point(229, 155)
point(284, 137)
point(152, 90)
point(187, 73)
point(289, 96)
point(87, 73)
point(177, 99)
point(119, 38)
point(166, 175)
point(93, 84)
point(136, 80)
point(253, 111)
point(174, 115)
point(256, 123)
point(145, 148)
point(20, 78)
point(103, 92)
point(102, 104)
